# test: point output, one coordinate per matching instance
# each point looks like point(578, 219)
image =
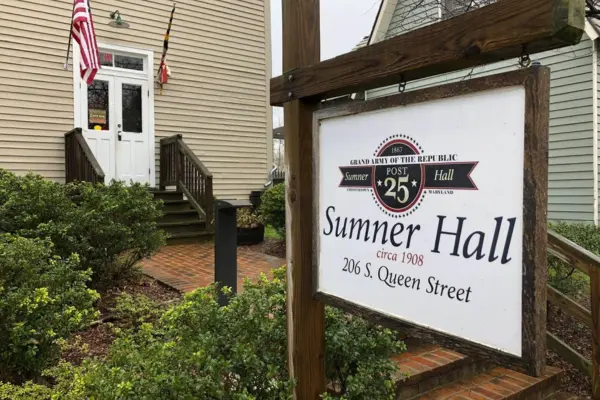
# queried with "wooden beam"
point(581, 258)
point(569, 354)
point(305, 316)
point(569, 306)
point(492, 33)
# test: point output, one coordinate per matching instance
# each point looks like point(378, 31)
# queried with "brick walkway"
point(190, 266)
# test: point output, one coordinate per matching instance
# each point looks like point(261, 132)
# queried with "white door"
point(116, 126)
point(99, 122)
point(132, 158)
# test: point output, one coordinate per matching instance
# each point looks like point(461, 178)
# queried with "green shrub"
point(110, 227)
point(248, 219)
point(114, 227)
point(272, 207)
point(132, 311)
point(28, 201)
point(200, 350)
point(28, 391)
point(42, 299)
point(562, 276)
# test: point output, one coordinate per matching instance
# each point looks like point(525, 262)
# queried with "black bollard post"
point(226, 244)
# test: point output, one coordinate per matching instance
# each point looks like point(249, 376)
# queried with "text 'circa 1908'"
point(420, 214)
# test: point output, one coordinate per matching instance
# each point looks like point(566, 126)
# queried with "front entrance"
point(115, 117)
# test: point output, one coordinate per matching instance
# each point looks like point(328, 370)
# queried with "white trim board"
point(383, 20)
point(148, 56)
point(595, 125)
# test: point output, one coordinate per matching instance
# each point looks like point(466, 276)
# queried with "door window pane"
point(98, 115)
point(106, 59)
point(132, 108)
point(127, 62)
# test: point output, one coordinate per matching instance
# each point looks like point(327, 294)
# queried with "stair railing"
point(588, 263)
point(80, 163)
point(180, 167)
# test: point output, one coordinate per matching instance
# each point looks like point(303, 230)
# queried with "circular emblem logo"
point(398, 187)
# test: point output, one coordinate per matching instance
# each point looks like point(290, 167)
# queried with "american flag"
point(84, 34)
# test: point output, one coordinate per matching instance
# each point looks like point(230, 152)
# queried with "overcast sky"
point(343, 24)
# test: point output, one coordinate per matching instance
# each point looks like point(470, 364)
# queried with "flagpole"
point(66, 66)
point(165, 48)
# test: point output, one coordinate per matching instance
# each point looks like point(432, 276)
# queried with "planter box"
point(250, 236)
point(255, 198)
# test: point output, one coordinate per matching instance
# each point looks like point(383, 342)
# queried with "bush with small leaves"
point(564, 277)
point(28, 391)
point(28, 201)
point(248, 219)
point(132, 311)
point(272, 207)
point(199, 350)
point(42, 299)
point(111, 227)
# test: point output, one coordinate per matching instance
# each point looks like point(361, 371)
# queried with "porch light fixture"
point(117, 21)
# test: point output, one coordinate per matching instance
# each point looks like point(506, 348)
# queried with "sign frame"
point(536, 81)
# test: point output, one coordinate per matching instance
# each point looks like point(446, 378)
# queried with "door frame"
point(148, 56)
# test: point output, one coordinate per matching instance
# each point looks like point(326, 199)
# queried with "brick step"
point(434, 373)
point(499, 383)
point(173, 228)
point(425, 367)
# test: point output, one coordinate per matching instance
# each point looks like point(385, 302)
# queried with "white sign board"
point(420, 213)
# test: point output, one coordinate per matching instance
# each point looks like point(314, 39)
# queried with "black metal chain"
point(524, 59)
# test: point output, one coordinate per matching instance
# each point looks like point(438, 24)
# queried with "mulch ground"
point(579, 337)
point(145, 285)
point(95, 341)
point(271, 247)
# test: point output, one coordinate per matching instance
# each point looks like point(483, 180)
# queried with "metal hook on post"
point(402, 84)
point(524, 59)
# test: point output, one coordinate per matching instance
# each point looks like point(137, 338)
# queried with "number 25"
point(401, 193)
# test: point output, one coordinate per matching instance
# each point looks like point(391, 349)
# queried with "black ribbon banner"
point(455, 176)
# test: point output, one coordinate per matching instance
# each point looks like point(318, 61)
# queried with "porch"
point(185, 185)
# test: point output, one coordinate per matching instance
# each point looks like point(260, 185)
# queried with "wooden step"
point(190, 237)
point(180, 216)
point(182, 226)
point(176, 205)
point(167, 194)
point(425, 366)
point(498, 383)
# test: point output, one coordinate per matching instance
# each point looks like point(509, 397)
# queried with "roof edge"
point(382, 21)
point(592, 28)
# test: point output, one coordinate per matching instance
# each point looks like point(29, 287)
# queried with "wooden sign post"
point(306, 336)
point(408, 164)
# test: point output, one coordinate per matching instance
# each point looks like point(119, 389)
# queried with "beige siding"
point(216, 98)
